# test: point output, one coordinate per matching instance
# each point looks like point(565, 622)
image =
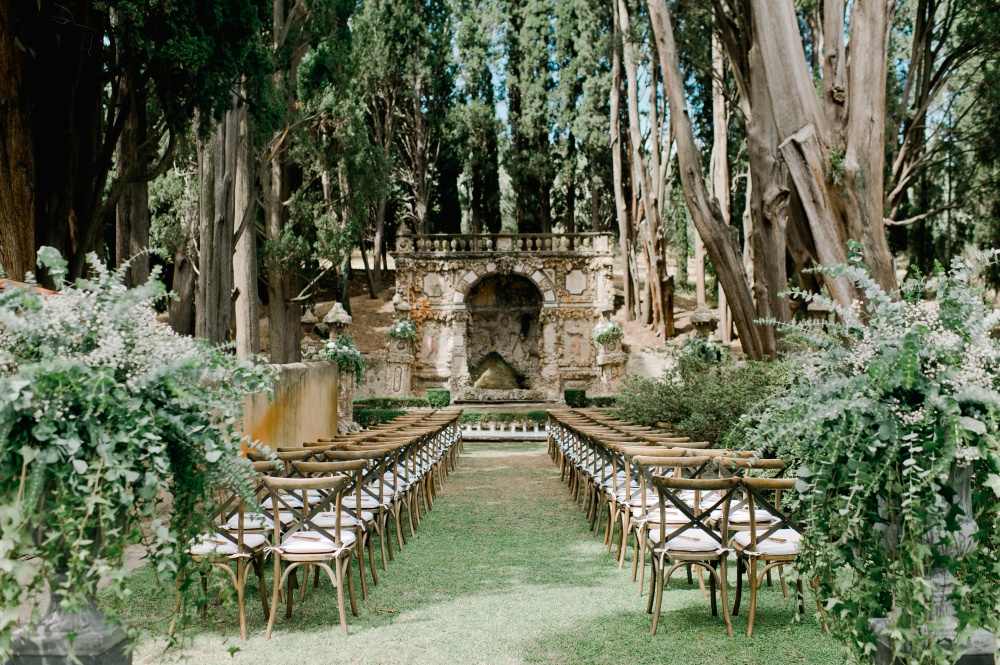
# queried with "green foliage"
point(882, 410)
point(404, 330)
point(606, 332)
point(702, 350)
point(703, 396)
point(345, 353)
point(107, 417)
point(371, 417)
point(391, 402)
point(604, 401)
point(575, 398)
point(438, 398)
point(505, 417)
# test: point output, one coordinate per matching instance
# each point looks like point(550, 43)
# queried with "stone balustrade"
point(468, 243)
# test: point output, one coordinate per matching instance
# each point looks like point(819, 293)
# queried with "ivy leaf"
point(993, 482)
point(50, 259)
point(80, 466)
point(972, 425)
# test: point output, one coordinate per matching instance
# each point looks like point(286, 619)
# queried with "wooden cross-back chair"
point(690, 539)
point(305, 540)
point(765, 536)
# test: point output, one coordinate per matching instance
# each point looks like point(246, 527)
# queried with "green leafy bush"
point(403, 330)
point(885, 412)
point(108, 417)
point(575, 398)
point(703, 396)
point(602, 402)
point(505, 417)
point(345, 353)
point(391, 402)
point(372, 417)
point(438, 398)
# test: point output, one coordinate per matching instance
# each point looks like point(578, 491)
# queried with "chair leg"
point(781, 578)
point(724, 593)
point(240, 598)
point(711, 590)
point(360, 537)
point(275, 589)
point(801, 598)
point(659, 599)
point(350, 584)
point(652, 585)
point(740, 568)
point(752, 579)
point(371, 559)
point(338, 564)
point(293, 581)
point(258, 566)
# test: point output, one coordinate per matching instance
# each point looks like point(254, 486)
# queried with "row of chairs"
point(322, 505)
point(684, 504)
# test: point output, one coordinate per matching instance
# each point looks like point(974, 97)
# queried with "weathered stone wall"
point(304, 406)
point(448, 285)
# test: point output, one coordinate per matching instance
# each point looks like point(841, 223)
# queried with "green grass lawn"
point(503, 570)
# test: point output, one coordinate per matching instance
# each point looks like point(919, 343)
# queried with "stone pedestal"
point(95, 641)
point(980, 650)
point(399, 368)
point(611, 360)
point(345, 403)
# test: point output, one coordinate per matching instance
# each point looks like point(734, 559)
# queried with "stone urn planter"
point(95, 640)
point(981, 648)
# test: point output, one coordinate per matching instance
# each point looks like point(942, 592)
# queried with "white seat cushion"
point(253, 522)
point(368, 502)
point(290, 501)
point(219, 545)
point(309, 542)
point(329, 520)
point(742, 516)
point(781, 542)
point(692, 540)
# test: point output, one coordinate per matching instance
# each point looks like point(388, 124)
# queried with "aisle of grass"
point(503, 570)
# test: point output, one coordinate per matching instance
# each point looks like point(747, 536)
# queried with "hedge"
point(391, 403)
point(372, 417)
point(603, 402)
point(575, 398)
point(484, 417)
point(439, 398)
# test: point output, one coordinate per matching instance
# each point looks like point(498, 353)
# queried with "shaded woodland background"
point(249, 146)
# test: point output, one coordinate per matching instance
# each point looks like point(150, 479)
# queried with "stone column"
point(460, 378)
point(548, 332)
point(339, 320)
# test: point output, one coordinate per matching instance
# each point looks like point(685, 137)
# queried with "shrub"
point(372, 417)
point(576, 398)
point(886, 412)
point(602, 402)
point(105, 415)
point(391, 403)
point(438, 398)
point(702, 398)
point(473, 417)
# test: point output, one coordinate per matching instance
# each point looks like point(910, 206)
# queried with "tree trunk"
point(705, 212)
point(17, 145)
point(216, 166)
point(624, 230)
point(720, 162)
point(657, 276)
point(571, 185)
point(132, 211)
point(245, 230)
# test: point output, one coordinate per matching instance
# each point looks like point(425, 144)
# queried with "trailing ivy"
point(882, 410)
point(107, 417)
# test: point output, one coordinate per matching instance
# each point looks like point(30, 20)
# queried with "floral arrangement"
point(345, 353)
point(885, 412)
point(105, 414)
point(606, 332)
point(404, 330)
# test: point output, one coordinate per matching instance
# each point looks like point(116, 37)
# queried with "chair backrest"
point(765, 493)
point(329, 490)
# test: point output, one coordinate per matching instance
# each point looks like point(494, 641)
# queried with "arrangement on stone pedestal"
point(503, 317)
